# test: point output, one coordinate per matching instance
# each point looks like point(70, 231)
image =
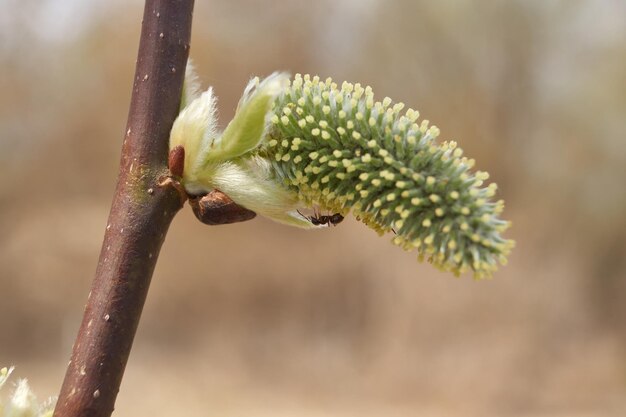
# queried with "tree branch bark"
point(140, 215)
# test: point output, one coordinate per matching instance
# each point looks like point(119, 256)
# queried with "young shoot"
point(297, 144)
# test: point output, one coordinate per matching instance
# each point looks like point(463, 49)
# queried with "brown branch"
point(139, 218)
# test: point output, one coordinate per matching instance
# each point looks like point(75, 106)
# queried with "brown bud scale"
point(176, 161)
point(217, 208)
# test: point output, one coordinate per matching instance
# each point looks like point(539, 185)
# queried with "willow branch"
point(142, 209)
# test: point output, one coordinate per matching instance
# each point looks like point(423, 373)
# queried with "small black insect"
point(317, 220)
point(333, 219)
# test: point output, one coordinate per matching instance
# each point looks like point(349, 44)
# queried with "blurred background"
point(259, 319)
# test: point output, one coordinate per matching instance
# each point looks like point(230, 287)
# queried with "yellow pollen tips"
point(275, 119)
point(371, 121)
point(366, 158)
point(284, 120)
point(337, 153)
point(454, 195)
point(325, 135)
point(400, 184)
point(371, 144)
point(439, 212)
point(465, 211)
point(391, 197)
point(434, 198)
point(273, 143)
point(302, 123)
point(398, 107)
point(314, 155)
point(451, 244)
point(416, 201)
point(315, 132)
point(341, 114)
point(364, 176)
point(284, 143)
point(350, 124)
point(326, 109)
point(412, 115)
point(426, 223)
point(430, 180)
point(377, 203)
point(341, 130)
point(356, 135)
point(286, 157)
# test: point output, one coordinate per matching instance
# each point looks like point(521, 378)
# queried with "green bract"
point(340, 150)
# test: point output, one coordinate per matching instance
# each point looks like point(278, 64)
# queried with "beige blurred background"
point(258, 319)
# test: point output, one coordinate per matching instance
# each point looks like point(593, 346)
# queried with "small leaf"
point(246, 130)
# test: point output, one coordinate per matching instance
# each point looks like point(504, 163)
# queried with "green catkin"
point(339, 149)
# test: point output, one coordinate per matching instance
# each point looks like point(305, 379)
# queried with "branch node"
point(170, 181)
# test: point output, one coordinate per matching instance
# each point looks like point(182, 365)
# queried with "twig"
point(139, 218)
